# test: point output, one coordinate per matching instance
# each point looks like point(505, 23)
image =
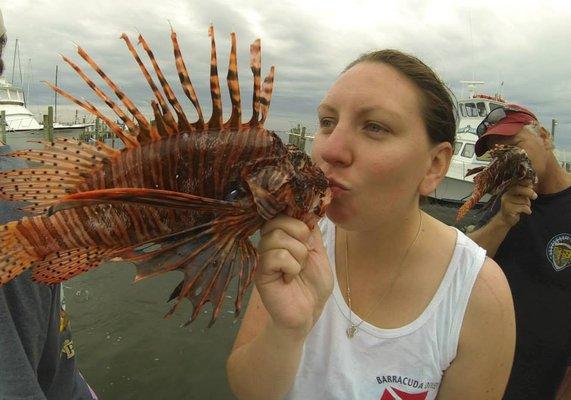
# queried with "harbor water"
point(127, 350)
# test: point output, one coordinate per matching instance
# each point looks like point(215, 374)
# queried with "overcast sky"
point(524, 44)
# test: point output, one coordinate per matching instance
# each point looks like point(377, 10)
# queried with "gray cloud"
point(523, 44)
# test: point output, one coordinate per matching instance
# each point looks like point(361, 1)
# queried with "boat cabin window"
point(468, 150)
point(493, 106)
point(14, 95)
point(471, 110)
point(481, 109)
point(457, 147)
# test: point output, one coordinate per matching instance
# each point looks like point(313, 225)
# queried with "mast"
point(14, 60)
point(55, 99)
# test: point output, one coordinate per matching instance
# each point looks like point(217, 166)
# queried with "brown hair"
point(437, 105)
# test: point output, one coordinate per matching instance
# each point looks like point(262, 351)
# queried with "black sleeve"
point(24, 310)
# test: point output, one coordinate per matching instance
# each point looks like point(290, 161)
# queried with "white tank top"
point(387, 364)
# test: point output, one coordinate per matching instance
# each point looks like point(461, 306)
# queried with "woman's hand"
point(293, 276)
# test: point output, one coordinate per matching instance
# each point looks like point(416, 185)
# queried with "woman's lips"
point(337, 188)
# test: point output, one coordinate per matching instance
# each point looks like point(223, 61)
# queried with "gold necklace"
point(353, 328)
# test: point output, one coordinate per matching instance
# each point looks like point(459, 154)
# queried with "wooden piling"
point(3, 126)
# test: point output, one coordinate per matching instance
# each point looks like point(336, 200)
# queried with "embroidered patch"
point(558, 251)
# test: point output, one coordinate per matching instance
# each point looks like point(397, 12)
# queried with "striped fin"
point(149, 197)
point(185, 81)
point(215, 256)
point(142, 121)
point(127, 139)
point(128, 122)
point(234, 87)
point(182, 120)
point(63, 265)
point(215, 122)
point(154, 88)
point(266, 97)
point(65, 162)
point(256, 66)
point(15, 257)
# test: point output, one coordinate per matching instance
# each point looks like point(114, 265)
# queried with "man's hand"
point(517, 201)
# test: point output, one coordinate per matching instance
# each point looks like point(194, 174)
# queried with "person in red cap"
point(528, 234)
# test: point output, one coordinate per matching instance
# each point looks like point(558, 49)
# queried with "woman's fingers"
point(278, 263)
point(283, 248)
point(293, 227)
point(278, 239)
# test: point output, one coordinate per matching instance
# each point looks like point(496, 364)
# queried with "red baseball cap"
point(504, 121)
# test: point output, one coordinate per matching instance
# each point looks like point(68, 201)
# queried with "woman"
point(383, 301)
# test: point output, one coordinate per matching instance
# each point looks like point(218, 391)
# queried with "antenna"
point(472, 44)
point(472, 86)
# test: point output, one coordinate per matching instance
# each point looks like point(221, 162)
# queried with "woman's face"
point(372, 145)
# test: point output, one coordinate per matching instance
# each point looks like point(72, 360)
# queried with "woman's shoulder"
point(491, 303)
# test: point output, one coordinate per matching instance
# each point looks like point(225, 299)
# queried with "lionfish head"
point(310, 193)
point(289, 183)
point(514, 161)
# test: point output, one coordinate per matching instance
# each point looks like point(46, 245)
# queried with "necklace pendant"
point(351, 331)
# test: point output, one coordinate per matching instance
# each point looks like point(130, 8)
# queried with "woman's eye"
point(375, 127)
point(325, 123)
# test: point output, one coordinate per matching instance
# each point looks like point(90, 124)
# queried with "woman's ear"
point(440, 156)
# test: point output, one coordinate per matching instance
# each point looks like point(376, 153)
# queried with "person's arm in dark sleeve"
point(24, 317)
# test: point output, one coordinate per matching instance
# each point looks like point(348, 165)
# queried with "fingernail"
point(534, 195)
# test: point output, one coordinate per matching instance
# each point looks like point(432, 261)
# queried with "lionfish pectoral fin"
point(142, 196)
point(212, 261)
point(14, 258)
point(61, 266)
point(235, 258)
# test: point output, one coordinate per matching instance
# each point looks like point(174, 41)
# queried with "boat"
point(18, 117)
point(456, 187)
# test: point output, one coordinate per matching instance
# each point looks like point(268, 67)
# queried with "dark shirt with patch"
point(536, 259)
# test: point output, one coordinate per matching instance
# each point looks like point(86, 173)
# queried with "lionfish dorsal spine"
point(138, 115)
point(267, 88)
point(256, 66)
point(182, 120)
point(129, 140)
point(185, 81)
point(215, 122)
point(235, 120)
point(110, 103)
point(154, 135)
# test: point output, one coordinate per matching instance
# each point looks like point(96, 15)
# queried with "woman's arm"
point(293, 282)
point(486, 347)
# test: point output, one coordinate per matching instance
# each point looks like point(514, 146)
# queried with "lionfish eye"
point(236, 192)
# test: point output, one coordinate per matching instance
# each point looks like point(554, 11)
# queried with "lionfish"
point(180, 195)
point(509, 166)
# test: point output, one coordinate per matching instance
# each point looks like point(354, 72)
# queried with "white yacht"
point(18, 117)
point(456, 187)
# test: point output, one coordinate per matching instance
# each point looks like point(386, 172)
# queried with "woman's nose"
point(336, 147)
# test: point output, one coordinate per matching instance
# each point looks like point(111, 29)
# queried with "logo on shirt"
point(416, 389)
point(559, 251)
point(394, 394)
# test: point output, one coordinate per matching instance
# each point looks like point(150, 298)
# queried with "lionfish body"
point(509, 166)
point(180, 195)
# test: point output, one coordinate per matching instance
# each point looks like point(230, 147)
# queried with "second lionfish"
point(180, 196)
point(510, 165)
